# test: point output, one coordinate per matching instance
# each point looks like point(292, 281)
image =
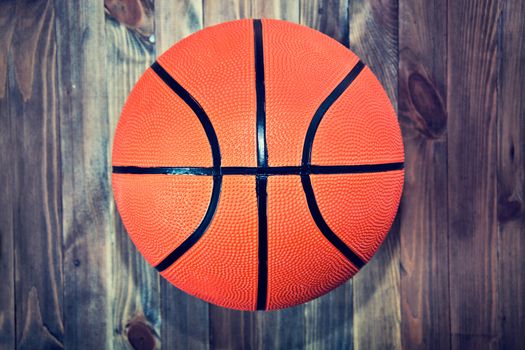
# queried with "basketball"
point(257, 164)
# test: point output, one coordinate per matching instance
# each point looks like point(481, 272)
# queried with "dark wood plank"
point(423, 214)
point(511, 176)
point(72, 278)
point(185, 319)
point(377, 310)
point(7, 251)
point(230, 329)
point(472, 161)
point(136, 292)
point(285, 328)
point(7, 183)
point(7, 28)
point(86, 195)
point(320, 323)
point(327, 321)
point(37, 191)
point(374, 38)
point(327, 16)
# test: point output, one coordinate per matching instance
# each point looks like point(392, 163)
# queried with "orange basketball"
point(258, 164)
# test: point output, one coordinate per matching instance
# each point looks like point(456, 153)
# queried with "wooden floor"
point(451, 273)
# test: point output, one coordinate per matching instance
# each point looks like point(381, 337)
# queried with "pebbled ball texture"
point(157, 128)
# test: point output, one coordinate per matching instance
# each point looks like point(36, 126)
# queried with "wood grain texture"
point(7, 28)
point(472, 160)
point(215, 12)
point(37, 190)
point(377, 311)
point(451, 273)
point(284, 328)
point(328, 319)
point(7, 185)
point(327, 16)
point(511, 175)
point(175, 20)
point(286, 10)
point(185, 319)
point(136, 291)
point(84, 135)
point(137, 15)
point(230, 329)
point(423, 213)
point(374, 38)
point(7, 256)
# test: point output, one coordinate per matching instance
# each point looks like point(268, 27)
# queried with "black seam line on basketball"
point(262, 162)
point(323, 108)
point(196, 108)
point(323, 226)
point(262, 276)
point(199, 232)
point(216, 156)
point(307, 156)
point(268, 171)
point(262, 148)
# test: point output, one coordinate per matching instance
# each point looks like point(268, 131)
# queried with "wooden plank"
point(276, 9)
point(137, 15)
point(136, 292)
point(281, 329)
point(185, 319)
point(64, 72)
point(7, 28)
point(472, 161)
point(423, 217)
point(85, 181)
point(7, 184)
point(176, 20)
point(7, 251)
point(511, 176)
point(305, 325)
point(374, 38)
point(377, 310)
point(36, 192)
point(230, 329)
point(327, 16)
point(327, 321)
point(323, 322)
point(222, 11)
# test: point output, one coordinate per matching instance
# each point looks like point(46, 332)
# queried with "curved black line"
point(323, 226)
point(306, 159)
point(216, 155)
point(268, 171)
point(262, 162)
point(199, 232)
point(323, 108)
point(196, 108)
